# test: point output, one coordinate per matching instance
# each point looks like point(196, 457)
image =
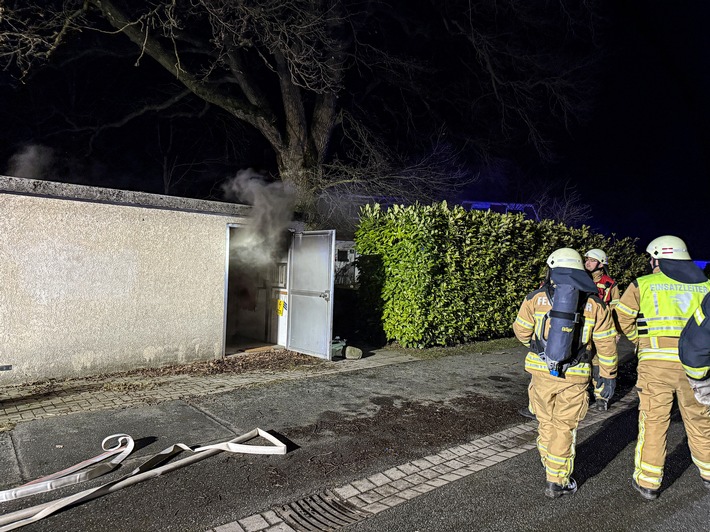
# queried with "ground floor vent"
point(321, 512)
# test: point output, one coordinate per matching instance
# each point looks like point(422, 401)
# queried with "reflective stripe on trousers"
point(559, 405)
point(656, 388)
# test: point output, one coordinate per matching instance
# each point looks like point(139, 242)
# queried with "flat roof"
point(68, 191)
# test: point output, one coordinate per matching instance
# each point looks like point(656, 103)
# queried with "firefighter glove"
point(607, 387)
point(701, 389)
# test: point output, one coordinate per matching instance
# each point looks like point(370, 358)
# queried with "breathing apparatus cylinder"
point(563, 319)
point(569, 278)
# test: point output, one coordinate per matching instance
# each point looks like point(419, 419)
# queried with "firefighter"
point(596, 263)
point(652, 312)
point(559, 342)
point(694, 351)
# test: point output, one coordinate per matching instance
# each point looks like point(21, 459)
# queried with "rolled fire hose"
point(143, 472)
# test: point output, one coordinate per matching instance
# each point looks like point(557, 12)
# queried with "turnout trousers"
point(595, 379)
point(656, 386)
point(559, 405)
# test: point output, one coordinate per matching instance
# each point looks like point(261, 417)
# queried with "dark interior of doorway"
point(255, 320)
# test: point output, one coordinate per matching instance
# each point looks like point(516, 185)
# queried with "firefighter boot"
point(646, 493)
point(706, 483)
point(525, 412)
point(554, 490)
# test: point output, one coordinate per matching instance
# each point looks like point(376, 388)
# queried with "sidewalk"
point(43, 400)
point(28, 402)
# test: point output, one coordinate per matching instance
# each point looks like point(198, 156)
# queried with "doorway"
point(255, 286)
point(279, 293)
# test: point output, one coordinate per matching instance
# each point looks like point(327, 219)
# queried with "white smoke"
point(33, 161)
point(261, 242)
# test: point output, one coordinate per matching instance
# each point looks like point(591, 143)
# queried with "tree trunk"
point(297, 170)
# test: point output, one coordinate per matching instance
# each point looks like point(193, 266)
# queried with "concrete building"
point(96, 280)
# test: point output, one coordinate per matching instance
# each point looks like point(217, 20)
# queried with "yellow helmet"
point(668, 247)
point(597, 254)
point(565, 258)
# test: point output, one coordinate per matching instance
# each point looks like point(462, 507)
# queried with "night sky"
point(643, 161)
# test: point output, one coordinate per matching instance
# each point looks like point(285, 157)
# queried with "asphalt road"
point(509, 497)
point(344, 427)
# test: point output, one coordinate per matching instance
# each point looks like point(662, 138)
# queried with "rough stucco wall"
point(89, 287)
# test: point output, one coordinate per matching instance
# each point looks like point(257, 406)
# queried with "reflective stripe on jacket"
point(597, 328)
point(666, 305)
point(694, 343)
point(637, 306)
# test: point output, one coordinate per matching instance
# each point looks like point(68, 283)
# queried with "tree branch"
point(170, 61)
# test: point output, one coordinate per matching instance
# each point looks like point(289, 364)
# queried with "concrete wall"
point(97, 285)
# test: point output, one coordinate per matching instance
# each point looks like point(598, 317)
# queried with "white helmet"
point(597, 254)
point(668, 247)
point(565, 258)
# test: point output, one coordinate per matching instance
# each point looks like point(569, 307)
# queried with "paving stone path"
point(28, 402)
point(407, 481)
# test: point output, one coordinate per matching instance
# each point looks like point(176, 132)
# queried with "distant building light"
point(527, 209)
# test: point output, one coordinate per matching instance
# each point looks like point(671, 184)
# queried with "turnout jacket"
point(654, 310)
point(596, 329)
point(694, 342)
point(608, 288)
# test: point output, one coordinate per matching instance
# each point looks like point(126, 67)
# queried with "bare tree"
point(176, 154)
point(533, 66)
point(566, 207)
point(308, 75)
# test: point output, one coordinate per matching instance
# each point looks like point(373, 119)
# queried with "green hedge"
point(434, 275)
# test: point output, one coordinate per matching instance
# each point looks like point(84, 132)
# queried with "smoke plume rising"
point(262, 241)
point(33, 161)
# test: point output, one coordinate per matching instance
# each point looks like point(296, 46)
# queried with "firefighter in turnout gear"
point(596, 262)
point(652, 312)
point(694, 351)
point(559, 323)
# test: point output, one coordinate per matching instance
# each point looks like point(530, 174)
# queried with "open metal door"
point(310, 292)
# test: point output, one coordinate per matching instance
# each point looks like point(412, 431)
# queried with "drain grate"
point(321, 512)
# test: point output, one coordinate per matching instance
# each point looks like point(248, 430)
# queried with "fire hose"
point(69, 476)
point(149, 469)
